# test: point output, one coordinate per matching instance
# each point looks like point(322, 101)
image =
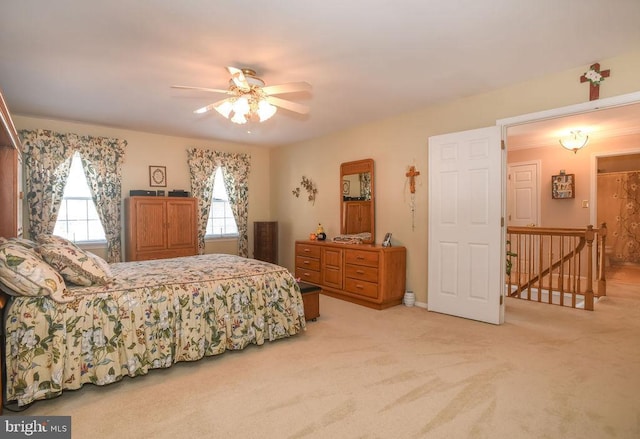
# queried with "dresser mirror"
point(357, 206)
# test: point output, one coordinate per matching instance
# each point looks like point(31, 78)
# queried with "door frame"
point(593, 189)
point(585, 107)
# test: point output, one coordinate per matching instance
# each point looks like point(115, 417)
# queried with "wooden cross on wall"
point(412, 174)
point(594, 88)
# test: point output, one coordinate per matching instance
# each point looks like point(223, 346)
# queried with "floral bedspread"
point(151, 315)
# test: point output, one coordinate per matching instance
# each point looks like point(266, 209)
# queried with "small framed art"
point(563, 186)
point(346, 187)
point(158, 176)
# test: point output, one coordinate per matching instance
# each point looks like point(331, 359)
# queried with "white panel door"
point(523, 199)
point(466, 249)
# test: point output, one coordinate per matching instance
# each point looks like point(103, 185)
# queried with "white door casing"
point(466, 238)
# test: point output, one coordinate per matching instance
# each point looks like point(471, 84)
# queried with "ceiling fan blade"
point(212, 90)
point(290, 87)
point(209, 107)
point(238, 78)
point(288, 105)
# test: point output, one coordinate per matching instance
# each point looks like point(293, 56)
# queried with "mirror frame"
point(358, 167)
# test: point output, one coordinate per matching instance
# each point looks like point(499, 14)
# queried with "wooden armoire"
point(10, 176)
point(160, 227)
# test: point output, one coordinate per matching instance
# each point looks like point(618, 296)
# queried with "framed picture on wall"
point(563, 186)
point(158, 176)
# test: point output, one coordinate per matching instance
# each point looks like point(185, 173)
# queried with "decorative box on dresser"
point(365, 274)
point(265, 241)
point(160, 227)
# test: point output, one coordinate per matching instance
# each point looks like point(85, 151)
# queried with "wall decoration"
point(309, 186)
point(158, 176)
point(346, 187)
point(563, 186)
point(411, 174)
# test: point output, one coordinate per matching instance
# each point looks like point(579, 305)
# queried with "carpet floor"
point(548, 372)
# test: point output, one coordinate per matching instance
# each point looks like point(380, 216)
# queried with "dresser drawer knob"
point(359, 271)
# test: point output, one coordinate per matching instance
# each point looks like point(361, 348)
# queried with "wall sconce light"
point(574, 141)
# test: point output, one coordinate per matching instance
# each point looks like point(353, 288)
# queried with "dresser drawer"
point(362, 272)
point(311, 251)
point(360, 257)
point(361, 287)
point(307, 263)
point(310, 276)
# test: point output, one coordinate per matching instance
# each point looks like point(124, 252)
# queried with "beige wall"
point(394, 144)
point(399, 142)
point(144, 149)
point(569, 212)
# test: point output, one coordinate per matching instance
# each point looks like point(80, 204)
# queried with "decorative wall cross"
point(412, 174)
point(595, 77)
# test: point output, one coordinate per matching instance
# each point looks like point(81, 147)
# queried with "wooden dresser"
point(160, 227)
point(365, 274)
point(265, 241)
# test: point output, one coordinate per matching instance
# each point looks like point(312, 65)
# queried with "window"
point(221, 222)
point(78, 218)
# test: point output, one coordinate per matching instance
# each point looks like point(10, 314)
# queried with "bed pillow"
point(76, 265)
point(56, 240)
point(26, 274)
point(26, 243)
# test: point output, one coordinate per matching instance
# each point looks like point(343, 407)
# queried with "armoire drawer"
point(362, 272)
point(310, 276)
point(360, 257)
point(362, 288)
point(308, 263)
point(311, 251)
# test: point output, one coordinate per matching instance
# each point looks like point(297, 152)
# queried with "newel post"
point(588, 295)
point(602, 280)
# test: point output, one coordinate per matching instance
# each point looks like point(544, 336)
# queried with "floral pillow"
point(76, 265)
point(56, 240)
point(25, 273)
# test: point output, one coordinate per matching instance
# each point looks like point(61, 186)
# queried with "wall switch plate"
point(585, 203)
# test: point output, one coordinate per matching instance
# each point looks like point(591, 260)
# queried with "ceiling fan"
point(249, 98)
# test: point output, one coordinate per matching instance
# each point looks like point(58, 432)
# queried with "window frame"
point(86, 219)
point(228, 236)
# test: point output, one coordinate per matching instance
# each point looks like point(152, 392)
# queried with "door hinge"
point(503, 146)
point(501, 299)
point(502, 222)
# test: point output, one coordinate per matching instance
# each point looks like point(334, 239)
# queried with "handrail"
point(538, 273)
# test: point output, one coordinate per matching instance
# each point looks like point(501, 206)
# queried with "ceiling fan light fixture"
point(249, 100)
point(574, 141)
point(265, 110)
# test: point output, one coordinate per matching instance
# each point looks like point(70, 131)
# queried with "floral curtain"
point(47, 161)
point(102, 160)
point(619, 207)
point(235, 172)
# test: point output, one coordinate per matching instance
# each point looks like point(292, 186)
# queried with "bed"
point(141, 316)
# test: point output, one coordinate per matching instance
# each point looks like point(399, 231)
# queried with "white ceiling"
point(113, 62)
